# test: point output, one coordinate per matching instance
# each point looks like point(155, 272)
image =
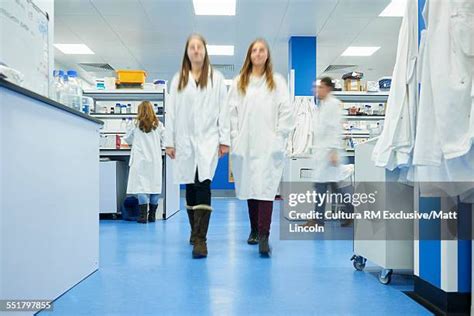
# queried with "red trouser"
point(260, 214)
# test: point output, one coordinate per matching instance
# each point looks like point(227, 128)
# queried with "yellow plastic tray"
point(131, 76)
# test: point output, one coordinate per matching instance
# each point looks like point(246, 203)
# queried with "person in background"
point(145, 175)
point(197, 134)
point(327, 137)
point(261, 120)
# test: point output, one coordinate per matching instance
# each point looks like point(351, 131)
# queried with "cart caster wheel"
point(385, 276)
point(358, 262)
point(114, 216)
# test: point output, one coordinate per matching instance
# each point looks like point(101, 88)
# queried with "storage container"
point(131, 76)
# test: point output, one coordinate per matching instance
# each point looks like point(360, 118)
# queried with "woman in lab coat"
point(144, 178)
point(197, 134)
point(261, 120)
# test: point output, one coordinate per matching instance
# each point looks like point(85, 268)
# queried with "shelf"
point(125, 95)
point(114, 152)
point(113, 133)
point(106, 152)
point(117, 115)
point(349, 93)
point(356, 133)
point(364, 117)
point(357, 136)
point(356, 96)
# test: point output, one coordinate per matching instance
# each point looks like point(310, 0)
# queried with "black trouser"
point(198, 193)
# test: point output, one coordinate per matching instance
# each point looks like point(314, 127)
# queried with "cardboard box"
point(352, 85)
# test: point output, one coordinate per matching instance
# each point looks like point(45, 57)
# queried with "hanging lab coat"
point(261, 121)
point(197, 122)
point(327, 138)
point(443, 149)
point(394, 146)
point(443, 123)
point(301, 139)
point(145, 175)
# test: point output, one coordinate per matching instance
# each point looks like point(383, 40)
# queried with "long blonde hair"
point(246, 70)
point(146, 118)
point(186, 65)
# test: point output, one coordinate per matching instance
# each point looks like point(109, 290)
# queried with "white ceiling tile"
point(63, 34)
point(91, 29)
point(316, 12)
point(206, 26)
point(347, 9)
point(73, 7)
point(117, 7)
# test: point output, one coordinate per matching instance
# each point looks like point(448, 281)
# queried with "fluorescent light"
point(396, 8)
point(360, 51)
point(222, 50)
point(74, 49)
point(228, 82)
point(214, 7)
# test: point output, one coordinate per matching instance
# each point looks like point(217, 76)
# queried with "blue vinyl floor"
point(148, 270)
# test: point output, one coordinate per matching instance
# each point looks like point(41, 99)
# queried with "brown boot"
point(152, 213)
point(202, 215)
point(253, 238)
point(143, 213)
point(347, 222)
point(190, 211)
point(263, 245)
point(313, 222)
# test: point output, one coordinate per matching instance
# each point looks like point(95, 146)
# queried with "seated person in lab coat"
point(327, 132)
point(145, 175)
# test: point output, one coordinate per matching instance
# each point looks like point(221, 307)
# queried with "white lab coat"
point(197, 122)
point(443, 149)
point(261, 121)
point(301, 140)
point(443, 123)
point(394, 146)
point(327, 137)
point(145, 175)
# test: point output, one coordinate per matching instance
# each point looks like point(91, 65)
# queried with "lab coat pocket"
point(279, 147)
point(462, 28)
point(235, 144)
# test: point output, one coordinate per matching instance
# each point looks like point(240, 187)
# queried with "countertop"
point(33, 95)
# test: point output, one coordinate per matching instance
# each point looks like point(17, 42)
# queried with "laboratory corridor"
point(149, 270)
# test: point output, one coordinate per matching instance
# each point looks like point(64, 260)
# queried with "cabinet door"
point(108, 187)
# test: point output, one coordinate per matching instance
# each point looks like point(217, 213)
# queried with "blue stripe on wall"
point(421, 22)
point(221, 178)
point(464, 266)
point(302, 58)
point(430, 244)
point(464, 247)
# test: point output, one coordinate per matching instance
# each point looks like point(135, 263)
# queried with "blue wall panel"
point(302, 58)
